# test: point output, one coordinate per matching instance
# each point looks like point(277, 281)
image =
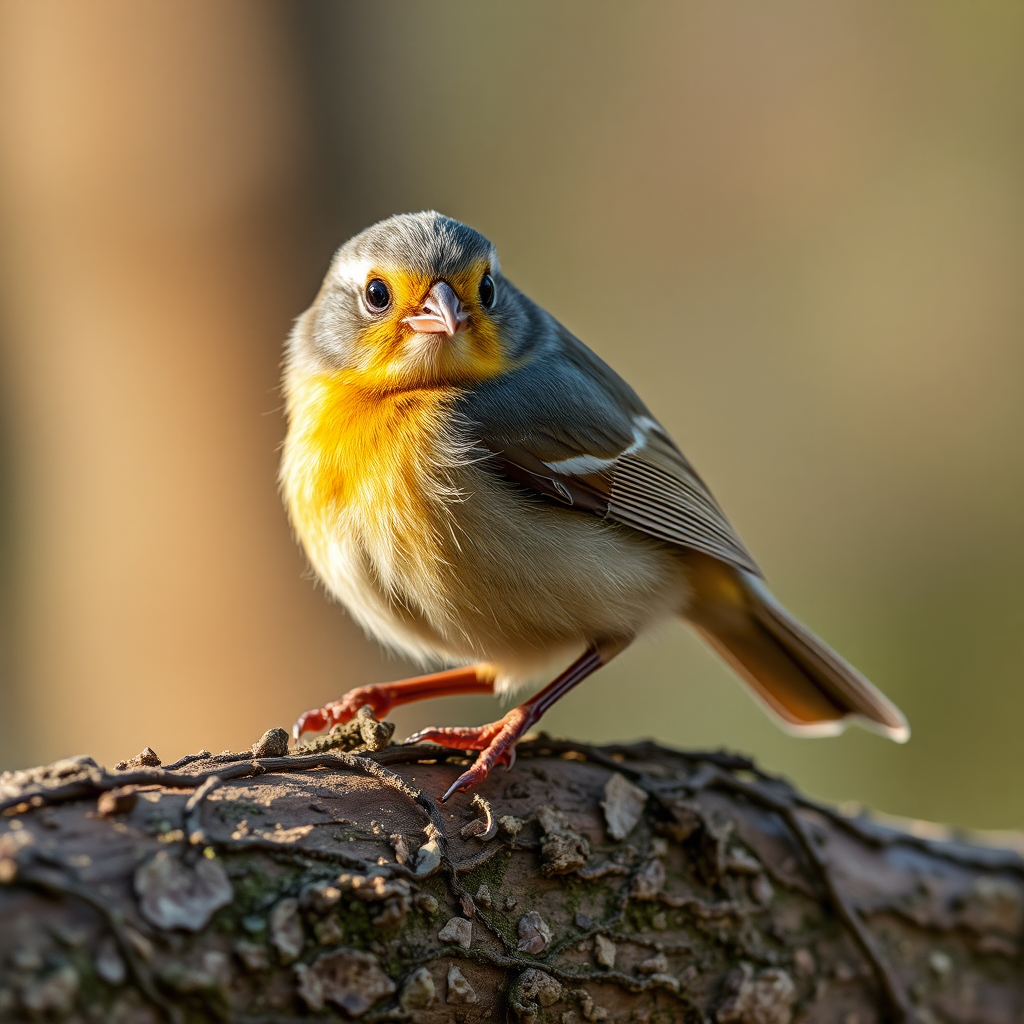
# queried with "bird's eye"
point(487, 291)
point(377, 294)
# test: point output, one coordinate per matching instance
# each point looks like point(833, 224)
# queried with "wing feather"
point(650, 487)
point(674, 507)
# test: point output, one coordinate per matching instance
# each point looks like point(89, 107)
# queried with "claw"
point(456, 787)
point(469, 779)
point(311, 721)
point(490, 756)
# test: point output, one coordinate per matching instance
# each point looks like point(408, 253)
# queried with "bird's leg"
point(497, 741)
point(382, 697)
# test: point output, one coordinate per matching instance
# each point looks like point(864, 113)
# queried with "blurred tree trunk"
point(163, 222)
point(620, 884)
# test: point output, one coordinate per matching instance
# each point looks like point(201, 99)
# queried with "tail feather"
point(803, 681)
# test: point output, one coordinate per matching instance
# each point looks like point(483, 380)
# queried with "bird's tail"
point(800, 679)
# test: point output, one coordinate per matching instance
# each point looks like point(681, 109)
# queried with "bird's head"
point(417, 300)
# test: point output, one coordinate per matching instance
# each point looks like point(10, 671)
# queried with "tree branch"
point(613, 883)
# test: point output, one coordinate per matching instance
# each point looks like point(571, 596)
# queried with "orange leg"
point(497, 741)
point(382, 697)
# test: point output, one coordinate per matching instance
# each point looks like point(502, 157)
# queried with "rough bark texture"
point(618, 884)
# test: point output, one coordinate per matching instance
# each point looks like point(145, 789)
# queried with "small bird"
point(480, 490)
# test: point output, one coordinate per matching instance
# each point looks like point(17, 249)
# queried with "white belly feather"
point(494, 576)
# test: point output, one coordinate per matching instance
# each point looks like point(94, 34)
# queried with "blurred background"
point(796, 228)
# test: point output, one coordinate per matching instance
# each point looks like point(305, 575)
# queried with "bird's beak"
point(442, 313)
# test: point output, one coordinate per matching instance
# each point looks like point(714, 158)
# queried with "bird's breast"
point(435, 554)
point(366, 477)
point(374, 457)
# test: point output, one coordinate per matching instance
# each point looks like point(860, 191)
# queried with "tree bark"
point(616, 883)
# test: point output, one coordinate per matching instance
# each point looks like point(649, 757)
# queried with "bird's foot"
point(382, 697)
point(339, 711)
point(496, 743)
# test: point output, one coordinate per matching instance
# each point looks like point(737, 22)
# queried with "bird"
point(487, 497)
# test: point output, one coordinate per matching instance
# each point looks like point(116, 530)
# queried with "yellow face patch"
point(390, 355)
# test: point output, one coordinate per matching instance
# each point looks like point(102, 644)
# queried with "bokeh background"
point(797, 228)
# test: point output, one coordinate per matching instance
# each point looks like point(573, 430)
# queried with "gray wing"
point(569, 428)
